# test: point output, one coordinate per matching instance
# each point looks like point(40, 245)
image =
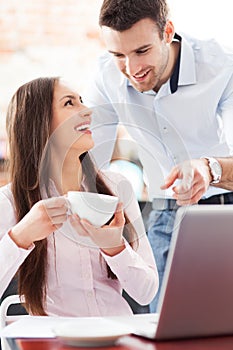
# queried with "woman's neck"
point(67, 173)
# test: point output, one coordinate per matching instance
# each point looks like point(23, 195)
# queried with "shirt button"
point(165, 130)
point(90, 294)
point(87, 276)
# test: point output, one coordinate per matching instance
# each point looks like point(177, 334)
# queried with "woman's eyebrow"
point(68, 96)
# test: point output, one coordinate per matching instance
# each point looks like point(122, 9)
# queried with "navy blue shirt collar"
point(175, 75)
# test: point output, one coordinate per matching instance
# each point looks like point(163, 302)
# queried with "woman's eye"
point(118, 55)
point(69, 102)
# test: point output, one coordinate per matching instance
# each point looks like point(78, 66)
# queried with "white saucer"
point(93, 332)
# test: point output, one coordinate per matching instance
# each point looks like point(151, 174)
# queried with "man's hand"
point(195, 179)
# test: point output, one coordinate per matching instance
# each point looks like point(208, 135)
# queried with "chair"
point(14, 309)
point(5, 318)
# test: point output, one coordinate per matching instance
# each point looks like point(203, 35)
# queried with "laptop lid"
point(196, 296)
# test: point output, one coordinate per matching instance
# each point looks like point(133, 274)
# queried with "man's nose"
point(130, 66)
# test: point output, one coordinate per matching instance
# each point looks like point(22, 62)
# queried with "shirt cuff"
point(31, 247)
point(119, 261)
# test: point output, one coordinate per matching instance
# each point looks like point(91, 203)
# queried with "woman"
point(60, 271)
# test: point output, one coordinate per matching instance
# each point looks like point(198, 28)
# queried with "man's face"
point(140, 54)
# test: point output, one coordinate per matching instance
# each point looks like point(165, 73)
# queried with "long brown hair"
point(28, 126)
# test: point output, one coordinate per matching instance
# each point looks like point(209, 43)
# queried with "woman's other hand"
point(109, 238)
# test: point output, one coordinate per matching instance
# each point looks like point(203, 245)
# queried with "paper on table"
point(33, 327)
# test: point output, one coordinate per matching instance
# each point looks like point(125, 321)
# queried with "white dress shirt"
point(169, 127)
point(77, 282)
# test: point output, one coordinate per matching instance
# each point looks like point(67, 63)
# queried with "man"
point(174, 94)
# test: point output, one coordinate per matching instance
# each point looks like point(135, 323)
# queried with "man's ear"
point(169, 32)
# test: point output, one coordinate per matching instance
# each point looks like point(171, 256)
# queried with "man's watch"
point(215, 170)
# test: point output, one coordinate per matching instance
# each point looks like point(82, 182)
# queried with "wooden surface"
point(136, 343)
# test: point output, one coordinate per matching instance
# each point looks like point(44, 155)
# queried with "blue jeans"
point(160, 227)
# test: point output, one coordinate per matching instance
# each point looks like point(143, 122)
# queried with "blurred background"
point(54, 37)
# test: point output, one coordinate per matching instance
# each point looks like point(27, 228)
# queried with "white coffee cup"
point(94, 207)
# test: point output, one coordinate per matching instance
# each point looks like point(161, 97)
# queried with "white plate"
point(91, 332)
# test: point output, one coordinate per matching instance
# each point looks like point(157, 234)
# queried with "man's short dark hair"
point(121, 15)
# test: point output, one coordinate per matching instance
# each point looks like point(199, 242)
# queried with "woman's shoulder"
point(7, 209)
point(119, 185)
point(6, 189)
point(114, 178)
point(6, 193)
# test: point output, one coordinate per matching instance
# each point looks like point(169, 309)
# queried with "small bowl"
point(94, 207)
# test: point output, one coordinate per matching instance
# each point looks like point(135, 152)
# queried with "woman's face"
point(70, 126)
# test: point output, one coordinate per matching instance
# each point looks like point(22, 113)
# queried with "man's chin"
point(141, 87)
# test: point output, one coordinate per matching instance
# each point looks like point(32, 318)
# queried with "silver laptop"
point(196, 298)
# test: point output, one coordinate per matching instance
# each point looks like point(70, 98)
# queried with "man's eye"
point(69, 102)
point(140, 52)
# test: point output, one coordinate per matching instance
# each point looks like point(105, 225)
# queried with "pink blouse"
point(77, 282)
